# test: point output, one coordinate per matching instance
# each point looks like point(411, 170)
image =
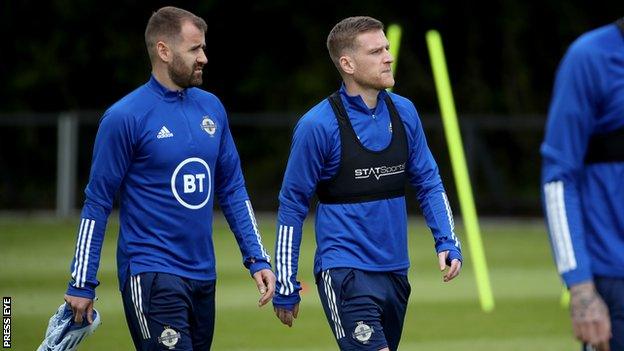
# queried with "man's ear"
point(347, 64)
point(163, 51)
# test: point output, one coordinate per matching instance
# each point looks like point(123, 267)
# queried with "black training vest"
point(607, 147)
point(366, 175)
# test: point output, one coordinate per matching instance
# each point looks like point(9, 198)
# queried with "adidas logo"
point(164, 133)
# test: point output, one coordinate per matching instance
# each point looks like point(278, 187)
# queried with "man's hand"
point(590, 316)
point(80, 305)
point(265, 280)
point(455, 266)
point(286, 316)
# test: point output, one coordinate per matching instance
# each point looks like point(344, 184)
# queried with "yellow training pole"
point(394, 37)
point(460, 171)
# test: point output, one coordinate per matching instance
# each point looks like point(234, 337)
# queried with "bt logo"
point(189, 182)
point(192, 189)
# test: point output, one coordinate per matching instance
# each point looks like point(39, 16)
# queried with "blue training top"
point(372, 235)
point(168, 153)
point(584, 202)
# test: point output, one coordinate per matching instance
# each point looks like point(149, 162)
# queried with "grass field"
point(35, 254)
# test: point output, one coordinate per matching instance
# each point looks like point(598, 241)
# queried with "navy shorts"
point(365, 310)
point(612, 292)
point(167, 312)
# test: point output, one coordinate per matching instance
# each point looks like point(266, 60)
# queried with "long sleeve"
point(571, 120)
point(425, 178)
point(112, 154)
point(234, 201)
point(305, 164)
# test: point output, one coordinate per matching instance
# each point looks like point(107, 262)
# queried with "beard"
point(183, 75)
point(381, 82)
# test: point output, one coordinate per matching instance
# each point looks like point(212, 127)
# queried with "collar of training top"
point(162, 91)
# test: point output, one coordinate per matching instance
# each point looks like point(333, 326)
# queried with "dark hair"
point(342, 36)
point(166, 24)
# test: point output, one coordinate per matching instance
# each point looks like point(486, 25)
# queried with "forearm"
point(86, 261)
point(564, 216)
point(439, 218)
point(239, 213)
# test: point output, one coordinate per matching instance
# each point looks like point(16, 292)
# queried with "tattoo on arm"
point(581, 302)
point(586, 304)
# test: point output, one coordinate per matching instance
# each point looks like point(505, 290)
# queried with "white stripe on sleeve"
point(283, 259)
point(558, 226)
point(254, 223)
point(86, 260)
point(289, 262)
point(75, 270)
point(81, 253)
point(278, 259)
point(282, 264)
point(449, 212)
point(449, 216)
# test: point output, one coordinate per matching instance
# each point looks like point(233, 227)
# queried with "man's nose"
point(388, 58)
point(203, 59)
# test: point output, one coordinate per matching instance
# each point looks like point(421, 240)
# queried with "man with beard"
point(167, 149)
point(357, 149)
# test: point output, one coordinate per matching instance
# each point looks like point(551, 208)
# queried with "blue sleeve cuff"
point(454, 255)
point(287, 302)
point(80, 292)
point(258, 266)
point(446, 242)
point(448, 246)
point(576, 277)
point(286, 307)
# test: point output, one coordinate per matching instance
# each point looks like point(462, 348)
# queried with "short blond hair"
point(342, 36)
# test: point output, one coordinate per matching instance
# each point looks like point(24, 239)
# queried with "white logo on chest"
point(378, 172)
point(209, 126)
point(195, 183)
point(164, 133)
